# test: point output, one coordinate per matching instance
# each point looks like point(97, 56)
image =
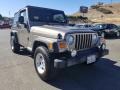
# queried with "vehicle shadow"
point(104, 75)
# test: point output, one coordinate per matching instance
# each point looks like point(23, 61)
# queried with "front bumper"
point(81, 57)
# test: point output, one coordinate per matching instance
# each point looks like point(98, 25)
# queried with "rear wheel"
point(15, 47)
point(43, 64)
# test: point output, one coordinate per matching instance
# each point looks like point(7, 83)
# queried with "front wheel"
point(14, 45)
point(43, 64)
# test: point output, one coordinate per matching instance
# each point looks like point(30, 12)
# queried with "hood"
point(52, 31)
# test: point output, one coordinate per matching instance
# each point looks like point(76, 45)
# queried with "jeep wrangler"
point(52, 42)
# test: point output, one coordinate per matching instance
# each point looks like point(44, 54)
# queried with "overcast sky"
point(9, 7)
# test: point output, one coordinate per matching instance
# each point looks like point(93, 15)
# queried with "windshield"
point(111, 26)
point(105, 26)
point(46, 15)
point(100, 26)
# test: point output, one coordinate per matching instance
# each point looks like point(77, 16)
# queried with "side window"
point(23, 13)
point(58, 18)
point(15, 20)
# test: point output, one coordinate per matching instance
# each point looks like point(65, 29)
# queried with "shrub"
point(105, 11)
point(77, 17)
point(95, 6)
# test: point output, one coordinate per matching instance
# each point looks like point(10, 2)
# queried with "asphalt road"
point(17, 71)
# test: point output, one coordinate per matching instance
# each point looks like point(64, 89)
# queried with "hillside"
point(96, 15)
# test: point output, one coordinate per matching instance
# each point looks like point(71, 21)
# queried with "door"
point(23, 32)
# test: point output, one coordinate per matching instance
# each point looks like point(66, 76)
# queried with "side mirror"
point(21, 20)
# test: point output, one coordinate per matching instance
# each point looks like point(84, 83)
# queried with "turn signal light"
point(62, 45)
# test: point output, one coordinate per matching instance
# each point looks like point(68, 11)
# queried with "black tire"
point(49, 72)
point(15, 47)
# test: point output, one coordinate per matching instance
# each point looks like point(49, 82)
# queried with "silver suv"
point(54, 45)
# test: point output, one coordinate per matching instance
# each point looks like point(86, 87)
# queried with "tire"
point(15, 47)
point(43, 64)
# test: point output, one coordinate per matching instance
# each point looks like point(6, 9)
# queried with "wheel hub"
point(12, 43)
point(40, 63)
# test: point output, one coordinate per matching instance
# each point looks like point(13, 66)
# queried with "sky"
point(9, 7)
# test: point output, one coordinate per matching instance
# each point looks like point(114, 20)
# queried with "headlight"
point(70, 39)
point(95, 38)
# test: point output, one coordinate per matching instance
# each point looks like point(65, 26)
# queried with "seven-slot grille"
point(83, 41)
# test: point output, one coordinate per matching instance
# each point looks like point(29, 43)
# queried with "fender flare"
point(15, 35)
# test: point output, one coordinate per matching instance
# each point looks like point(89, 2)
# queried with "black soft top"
point(35, 7)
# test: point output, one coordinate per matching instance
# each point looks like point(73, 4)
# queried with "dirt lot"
point(17, 71)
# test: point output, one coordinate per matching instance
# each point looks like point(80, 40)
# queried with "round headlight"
point(94, 37)
point(70, 39)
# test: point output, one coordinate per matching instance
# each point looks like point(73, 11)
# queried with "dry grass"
point(98, 16)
